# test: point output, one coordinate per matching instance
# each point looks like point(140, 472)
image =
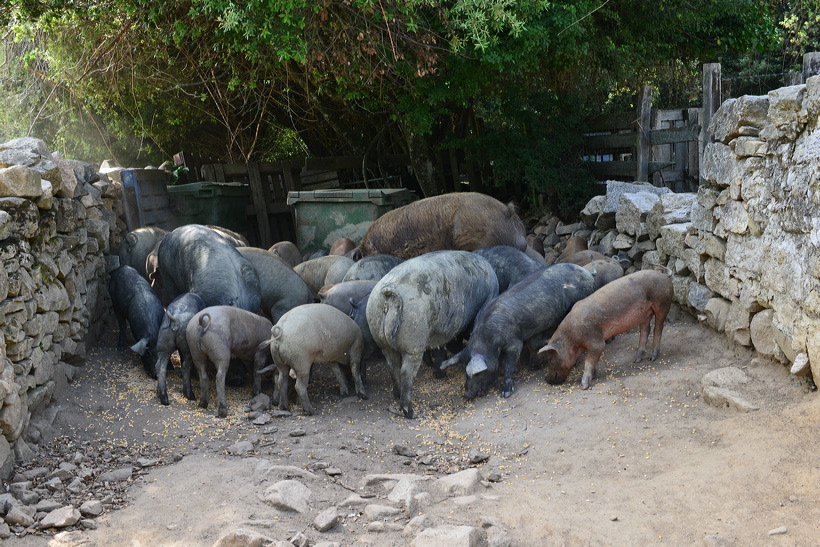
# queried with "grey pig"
point(172, 338)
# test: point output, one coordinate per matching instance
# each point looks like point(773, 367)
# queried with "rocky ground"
point(640, 458)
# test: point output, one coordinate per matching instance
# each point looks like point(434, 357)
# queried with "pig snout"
point(556, 376)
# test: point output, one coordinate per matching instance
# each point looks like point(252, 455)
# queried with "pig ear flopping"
point(140, 346)
point(476, 366)
point(547, 349)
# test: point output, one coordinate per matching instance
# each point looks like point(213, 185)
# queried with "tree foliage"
point(502, 86)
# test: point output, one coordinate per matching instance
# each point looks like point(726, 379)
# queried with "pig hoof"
point(223, 411)
point(203, 404)
point(362, 395)
point(439, 373)
point(506, 394)
point(163, 398)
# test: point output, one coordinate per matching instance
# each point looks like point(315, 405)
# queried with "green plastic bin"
point(222, 204)
point(323, 216)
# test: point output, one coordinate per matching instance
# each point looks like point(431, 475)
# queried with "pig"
point(194, 258)
point(510, 264)
point(605, 271)
point(342, 246)
point(315, 254)
point(137, 245)
point(535, 304)
point(372, 267)
point(615, 308)
point(234, 238)
point(341, 294)
point(136, 303)
point(323, 270)
point(287, 252)
point(582, 258)
point(172, 337)
point(315, 333)
point(460, 221)
point(424, 303)
point(573, 245)
point(358, 312)
point(281, 288)
point(218, 334)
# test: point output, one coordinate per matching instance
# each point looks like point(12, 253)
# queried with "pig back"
point(510, 264)
point(313, 327)
point(194, 258)
point(428, 300)
point(372, 267)
point(137, 245)
point(459, 221)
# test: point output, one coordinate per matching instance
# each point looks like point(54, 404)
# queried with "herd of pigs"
point(446, 280)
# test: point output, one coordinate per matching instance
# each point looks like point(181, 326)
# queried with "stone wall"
point(58, 219)
point(744, 251)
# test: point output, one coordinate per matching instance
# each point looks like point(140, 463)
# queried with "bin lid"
point(381, 196)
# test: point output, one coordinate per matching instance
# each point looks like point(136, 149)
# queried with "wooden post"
point(259, 205)
point(643, 150)
point(811, 65)
point(711, 102)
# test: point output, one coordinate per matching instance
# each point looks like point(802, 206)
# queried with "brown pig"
point(342, 246)
point(315, 333)
point(582, 258)
point(615, 308)
point(463, 221)
point(220, 333)
point(572, 246)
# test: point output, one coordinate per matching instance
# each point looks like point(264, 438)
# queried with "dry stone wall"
point(744, 251)
point(58, 220)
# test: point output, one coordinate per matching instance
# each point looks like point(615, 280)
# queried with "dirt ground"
point(638, 459)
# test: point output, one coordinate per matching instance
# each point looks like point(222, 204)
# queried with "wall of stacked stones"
point(744, 251)
point(58, 219)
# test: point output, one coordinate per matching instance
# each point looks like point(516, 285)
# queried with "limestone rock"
point(452, 536)
point(762, 334)
point(20, 182)
point(288, 495)
point(462, 483)
point(60, 518)
point(717, 311)
point(375, 512)
point(326, 520)
point(116, 475)
point(728, 398)
point(746, 115)
point(630, 216)
point(670, 208)
point(615, 189)
point(243, 538)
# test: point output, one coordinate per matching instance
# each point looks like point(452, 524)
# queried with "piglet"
point(172, 338)
point(218, 334)
point(615, 308)
point(315, 333)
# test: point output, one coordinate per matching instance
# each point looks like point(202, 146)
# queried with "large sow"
point(424, 303)
point(137, 245)
point(194, 258)
point(282, 289)
point(460, 221)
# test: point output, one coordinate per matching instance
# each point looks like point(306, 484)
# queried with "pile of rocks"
point(57, 219)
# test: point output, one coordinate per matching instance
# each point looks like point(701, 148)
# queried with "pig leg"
point(187, 366)
point(283, 384)
point(204, 388)
point(340, 377)
point(591, 364)
point(644, 339)
point(161, 367)
point(221, 400)
point(660, 319)
point(121, 321)
point(356, 366)
point(301, 386)
point(409, 368)
point(393, 359)
point(509, 360)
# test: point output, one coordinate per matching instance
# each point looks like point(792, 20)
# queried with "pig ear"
point(476, 366)
point(546, 349)
point(140, 346)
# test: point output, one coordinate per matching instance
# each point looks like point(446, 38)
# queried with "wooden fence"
point(663, 146)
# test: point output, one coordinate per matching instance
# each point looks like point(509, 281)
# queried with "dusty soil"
point(638, 459)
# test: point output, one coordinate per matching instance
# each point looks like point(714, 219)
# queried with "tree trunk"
point(422, 159)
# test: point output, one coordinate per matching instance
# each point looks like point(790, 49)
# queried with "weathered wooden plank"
point(674, 135)
point(643, 150)
point(624, 168)
point(612, 122)
point(334, 163)
point(259, 205)
point(614, 140)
